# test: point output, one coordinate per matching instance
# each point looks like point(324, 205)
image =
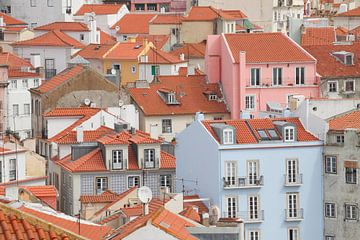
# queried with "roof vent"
point(137, 46)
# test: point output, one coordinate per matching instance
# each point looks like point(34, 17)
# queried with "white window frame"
point(166, 128)
point(329, 237)
point(149, 158)
point(133, 183)
point(12, 169)
point(231, 211)
point(25, 83)
point(26, 109)
point(289, 134)
point(252, 172)
point(36, 82)
point(228, 136)
point(14, 84)
point(166, 181)
point(330, 210)
point(253, 207)
point(293, 205)
point(32, 3)
point(250, 102)
point(301, 80)
point(257, 77)
point(50, 3)
point(104, 185)
point(133, 69)
point(231, 172)
point(346, 81)
point(353, 177)
point(15, 113)
point(117, 159)
point(253, 234)
point(336, 86)
point(331, 164)
point(353, 210)
point(340, 138)
point(275, 81)
point(292, 171)
point(291, 231)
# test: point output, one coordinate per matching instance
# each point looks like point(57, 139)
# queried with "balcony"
point(247, 216)
point(293, 180)
point(49, 73)
point(243, 182)
point(292, 215)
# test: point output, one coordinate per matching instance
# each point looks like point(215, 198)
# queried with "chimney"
point(80, 134)
point(90, 20)
point(182, 57)
point(146, 209)
point(199, 116)
point(2, 22)
point(205, 219)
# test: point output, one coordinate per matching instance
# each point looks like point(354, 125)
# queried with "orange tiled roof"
point(246, 129)
point(64, 26)
point(341, 31)
point(192, 97)
point(191, 213)
point(266, 47)
point(167, 160)
point(53, 38)
point(191, 50)
point(167, 19)
point(19, 74)
point(99, 9)
point(105, 197)
point(325, 59)
point(87, 230)
point(156, 56)
point(348, 120)
point(125, 51)
point(8, 20)
point(351, 13)
point(158, 40)
point(318, 36)
point(13, 28)
point(13, 61)
point(94, 51)
point(199, 204)
point(133, 23)
point(207, 13)
point(133, 211)
point(59, 79)
point(42, 191)
point(91, 162)
point(89, 135)
point(106, 39)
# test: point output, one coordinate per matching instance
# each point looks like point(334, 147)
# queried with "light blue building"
point(267, 172)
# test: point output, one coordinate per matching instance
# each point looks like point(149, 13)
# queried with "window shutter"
point(153, 70)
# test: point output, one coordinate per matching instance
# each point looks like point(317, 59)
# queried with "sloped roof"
point(191, 50)
point(351, 13)
point(208, 13)
point(106, 39)
point(344, 121)
point(318, 36)
point(106, 197)
point(42, 191)
point(158, 40)
point(99, 9)
point(325, 59)
point(14, 62)
point(246, 130)
point(199, 204)
point(133, 23)
point(167, 19)
point(89, 135)
point(8, 20)
point(191, 96)
point(53, 38)
point(64, 26)
point(125, 51)
point(266, 47)
point(191, 213)
point(156, 56)
point(94, 51)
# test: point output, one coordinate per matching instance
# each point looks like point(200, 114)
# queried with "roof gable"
point(64, 26)
point(99, 9)
point(344, 121)
point(133, 23)
point(8, 20)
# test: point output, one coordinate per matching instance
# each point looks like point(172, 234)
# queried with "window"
point(329, 237)
point(300, 75)
point(149, 158)
point(255, 77)
point(292, 171)
point(13, 83)
point(293, 205)
point(263, 135)
point(155, 70)
point(253, 172)
point(33, 25)
point(253, 208)
point(330, 164)
point(351, 212)
point(82, 37)
point(36, 82)
point(50, 70)
point(250, 102)
point(125, 38)
point(330, 210)
point(340, 138)
point(349, 86)
point(273, 134)
point(32, 3)
point(2, 35)
point(289, 134)
point(117, 159)
point(15, 110)
point(151, 7)
point(12, 169)
point(166, 126)
point(50, 3)
point(228, 136)
point(133, 181)
point(230, 173)
point(26, 109)
point(350, 175)
point(254, 235)
point(332, 86)
point(293, 234)
point(231, 207)
point(277, 76)
point(25, 83)
point(212, 97)
point(101, 184)
point(171, 98)
point(133, 69)
point(165, 181)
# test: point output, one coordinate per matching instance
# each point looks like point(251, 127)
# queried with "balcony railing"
point(49, 73)
point(296, 214)
point(293, 180)
point(243, 182)
point(247, 216)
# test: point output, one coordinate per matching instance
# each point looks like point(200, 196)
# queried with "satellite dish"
point(113, 71)
point(87, 101)
point(214, 214)
point(121, 103)
point(144, 194)
point(117, 28)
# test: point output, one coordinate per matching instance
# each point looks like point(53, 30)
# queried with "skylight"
point(263, 135)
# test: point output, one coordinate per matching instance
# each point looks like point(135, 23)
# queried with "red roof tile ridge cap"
point(110, 50)
point(58, 33)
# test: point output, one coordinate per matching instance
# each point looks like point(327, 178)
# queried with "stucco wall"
point(202, 30)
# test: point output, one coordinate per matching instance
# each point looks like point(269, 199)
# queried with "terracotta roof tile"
point(160, 57)
point(14, 62)
point(133, 211)
point(42, 191)
point(53, 38)
point(99, 9)
point(89, 135)
point(318, 36)
point(191, 50)
point(116, 139)
point(341, 31)
point(266, 47)
point(158, 40)
point(199, 204)
point(348, 120)
point(106, 39)
point(59, 79)
point(325, 59)
point(192, 98)
point(133, 23)
point(351, 13)
point(19, 74)
point(191, 213)
point(64, 26)
point(125, 51)
point(207, 13)
point(14, 29)
point(94, 51)
point(167, 160)
point(105, 197)
point(167, 19)
point(8, 20)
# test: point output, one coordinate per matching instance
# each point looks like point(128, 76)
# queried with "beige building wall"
point(35, 165)
point(161, 29)
point(194, 32)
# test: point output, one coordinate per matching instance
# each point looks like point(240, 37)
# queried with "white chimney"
point(146, 209)
point(2, 22)
point(90, 19)
point(79, 134)
point(35, 60)
point(199, 116)
point(182, 57)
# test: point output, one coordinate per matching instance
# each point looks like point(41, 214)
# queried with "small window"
point(255, 77)
point(12, 169)
point(349, 86)
point(330, 210)
point(149, 158)
point(117, 160)
point(14, 84)
point(155, 70)
point(263, 135)
point(101, 184)
point(273, 134)
point(289, 134)
point(2, 35)
point(82, 37)
point(165, 181)
point(36, 82)
point(329, 237)
point(50, 3)
point(293, 234)
point(133, 69)
point(26, 109)
point(277, 76)
point(171, 98)
point(228, 136)
point(125, 38)
point(32, 3)
point(351, 175)
point(254, 235)
point(340, 139)
point(300, 75)
point(332, 87)
point(166, 126)
point(349, 59)
point(25, 83)
point(133, 181)
point(15, 110)
point(351, 212)
point(330, 164)
point(250, 102)
point(212, 97)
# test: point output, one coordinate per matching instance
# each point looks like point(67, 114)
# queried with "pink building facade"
point(259, 71)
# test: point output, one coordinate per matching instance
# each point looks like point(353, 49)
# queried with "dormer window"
point(212, 97)
point(228, 136)
point(149, 158)
point(344, 57)
point(171, 98)
point(117, 160)
point(289, 135)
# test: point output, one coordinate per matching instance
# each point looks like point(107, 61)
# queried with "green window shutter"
point(153, 70)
